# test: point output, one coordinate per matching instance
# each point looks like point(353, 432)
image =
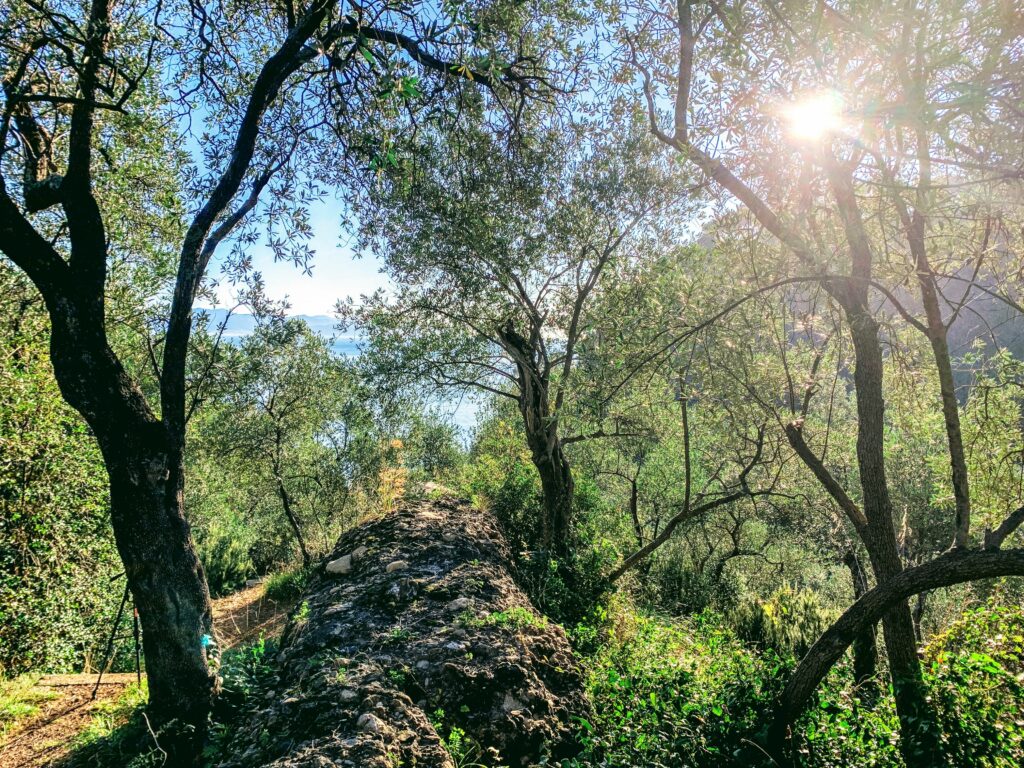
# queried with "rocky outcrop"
point(414, 644)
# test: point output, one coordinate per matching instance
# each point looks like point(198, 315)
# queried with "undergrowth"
point(286, 586)
point(688, 692)
point(19, 701)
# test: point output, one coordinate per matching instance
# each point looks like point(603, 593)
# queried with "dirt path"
point(243, 616)
point(48, 736)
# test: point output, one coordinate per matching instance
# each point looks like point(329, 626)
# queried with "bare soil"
point(48, 736)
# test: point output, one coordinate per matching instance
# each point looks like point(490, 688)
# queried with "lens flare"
point(815, 116)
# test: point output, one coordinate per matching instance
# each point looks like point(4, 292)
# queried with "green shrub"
point(975, 671)
point(57, 552)
point(788, 622)
point(838, 731)
point(224, 549)
point(287, 586)
point(677, 693)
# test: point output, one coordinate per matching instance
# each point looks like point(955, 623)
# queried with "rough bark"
point(557, 486)
point(146, 471)
point(865, 647)
point(880, 540)
point(540, 423)
point(293, 520)
point(954, 567)
point(417, 612)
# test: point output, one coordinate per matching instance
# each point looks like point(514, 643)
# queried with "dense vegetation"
point(735, 288)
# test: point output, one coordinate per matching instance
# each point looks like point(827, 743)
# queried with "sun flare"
point(815, 116)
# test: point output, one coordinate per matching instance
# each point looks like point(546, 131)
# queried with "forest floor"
point(60, 709)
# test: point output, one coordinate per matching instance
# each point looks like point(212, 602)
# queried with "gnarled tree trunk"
point(540, 423)
point(865, 648)
point(145, 464)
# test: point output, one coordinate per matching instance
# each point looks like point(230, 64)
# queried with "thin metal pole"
point(135, 632)
point(110, 641)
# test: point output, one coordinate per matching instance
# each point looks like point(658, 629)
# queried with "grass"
point(115, 733)
point(19, 701)
point(516, 617)
point(109, 716)
point(286, 586)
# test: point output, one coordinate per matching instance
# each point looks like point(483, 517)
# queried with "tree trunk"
point(865, 647)
point(557, 485)
point(918, 742)
point(634, 512)
point(293, 521)
point(938, 336)
point(145, 465)
point(918, 615)
point(170, 592)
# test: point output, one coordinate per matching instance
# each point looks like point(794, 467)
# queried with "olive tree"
point(267, 92)
point(858, 137)
point(498, 259)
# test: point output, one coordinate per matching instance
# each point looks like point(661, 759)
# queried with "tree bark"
point(557, 486)
point(916, 716)
point(146, 470)
point(954, 567)
point(169, 589)
point(865, 647)
point(540, 424)
point(293, 521)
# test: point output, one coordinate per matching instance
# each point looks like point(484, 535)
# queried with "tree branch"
point(794, 433)
point(953, 567)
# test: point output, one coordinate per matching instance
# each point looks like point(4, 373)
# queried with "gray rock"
point(459, 604)
point(370, 723)
point(342, 565)
point(396, 565)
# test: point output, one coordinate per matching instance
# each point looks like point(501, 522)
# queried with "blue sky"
point(336, 272)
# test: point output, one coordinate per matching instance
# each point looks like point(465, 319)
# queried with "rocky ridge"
point(413, 643)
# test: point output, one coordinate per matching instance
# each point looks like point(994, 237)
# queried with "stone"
point(359, 552)
point(511, 703)
point(370, 723)
point(348, 695)
point(342, 565)
point(459, 604)
point(396, 565)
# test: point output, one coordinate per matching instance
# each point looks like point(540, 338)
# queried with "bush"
point(287, 586)
point(224, 550)
point(975, 671)
point(788, 622)
point(57, 552)
point(677, 693)
point(688, 692)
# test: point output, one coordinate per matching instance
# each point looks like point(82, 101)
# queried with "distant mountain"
point(241, 324)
